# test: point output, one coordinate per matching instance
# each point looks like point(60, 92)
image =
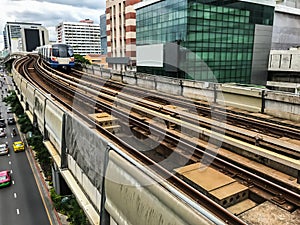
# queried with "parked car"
point(11, 121)
point(5, 178)
point(3, 149)
point(18, 146)
point(2, 132)
point(2, 123)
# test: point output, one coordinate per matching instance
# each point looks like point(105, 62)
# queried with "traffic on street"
point(21, 201)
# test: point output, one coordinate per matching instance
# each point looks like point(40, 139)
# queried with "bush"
point(13, 101)
point(70, 207)
point(80, 61)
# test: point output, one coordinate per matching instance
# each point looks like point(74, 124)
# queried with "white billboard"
point(150, 55)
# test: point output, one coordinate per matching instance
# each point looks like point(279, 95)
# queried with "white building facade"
point(24, 37)
point(83, 36)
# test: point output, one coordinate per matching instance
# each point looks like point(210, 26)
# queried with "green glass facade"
point(222, 36)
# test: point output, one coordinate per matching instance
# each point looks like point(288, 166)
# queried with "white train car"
point(57, 55)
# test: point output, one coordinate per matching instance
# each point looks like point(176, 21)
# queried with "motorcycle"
point(14, 132)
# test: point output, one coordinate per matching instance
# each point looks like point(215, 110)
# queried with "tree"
point(80, 61)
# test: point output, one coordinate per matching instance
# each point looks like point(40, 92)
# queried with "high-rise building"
point(83, 36)
point(218, 41)
point(103, 35)
point(284, 70)
point(20, 36)
point(121, 35)
point(286, 27)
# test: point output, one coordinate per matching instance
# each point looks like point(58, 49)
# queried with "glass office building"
point(218, 39)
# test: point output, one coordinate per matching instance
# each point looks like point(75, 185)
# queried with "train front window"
point(62, 51)
point(70, 52)
point(55, 52)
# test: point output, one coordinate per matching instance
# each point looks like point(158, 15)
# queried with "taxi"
point(5, 178)
point(18, 146)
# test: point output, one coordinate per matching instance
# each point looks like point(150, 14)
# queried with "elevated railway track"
point(195, 143)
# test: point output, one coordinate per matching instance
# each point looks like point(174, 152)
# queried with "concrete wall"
point(54, 125)
point(283, 105)
point(152, 205)
point(261, 49)
point(284, 60)
point(39, 110)
point(30, 97)
point(246, 98)
point(286, 28)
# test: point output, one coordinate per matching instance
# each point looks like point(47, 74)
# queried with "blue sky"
point(49, 12)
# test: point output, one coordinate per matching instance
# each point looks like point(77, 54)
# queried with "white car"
point(3, 149)
point(2, 132)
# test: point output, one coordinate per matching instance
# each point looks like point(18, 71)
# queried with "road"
point(20, 203)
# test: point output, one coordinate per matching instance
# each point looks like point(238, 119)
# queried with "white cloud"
point(49, 13)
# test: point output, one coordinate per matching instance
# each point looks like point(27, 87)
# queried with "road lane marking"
point(15, 195)
point(13, 182)
point(9, 162)
point(18, 211)
point(11, 171)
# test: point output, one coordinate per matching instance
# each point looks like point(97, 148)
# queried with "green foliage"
point(56, 199)
point(13, 101)
point(11, 98)
point(42, 154)
point(8, 66)
point(80, 61)
point(36, 141)
point(25, 123)
point(70, 207)
point(76, 216)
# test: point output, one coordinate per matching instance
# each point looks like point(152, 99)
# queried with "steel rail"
point(167, 173)
point(200, 198)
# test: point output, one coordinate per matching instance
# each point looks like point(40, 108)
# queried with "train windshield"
point(62, 51)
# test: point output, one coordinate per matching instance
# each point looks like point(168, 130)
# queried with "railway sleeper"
point(106, 121)
point(223, 189)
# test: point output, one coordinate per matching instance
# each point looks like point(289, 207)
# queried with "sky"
point(49, 13)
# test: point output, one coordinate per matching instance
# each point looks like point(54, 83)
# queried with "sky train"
point(57, 55)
